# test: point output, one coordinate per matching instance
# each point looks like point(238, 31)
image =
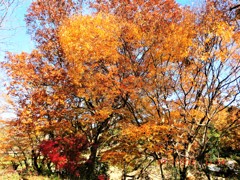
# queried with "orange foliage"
point(137, 78)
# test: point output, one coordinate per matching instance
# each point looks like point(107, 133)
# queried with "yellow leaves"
point(225, 118)
point(90, 38)
point(91, 45)
point(104, 113)
point(114, 156)
point(196, 114)
point(224, 30)
point(216, 35)
point(175, 40)
point(118, 157)
point(148, 135)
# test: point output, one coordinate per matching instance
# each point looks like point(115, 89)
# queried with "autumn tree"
point(195, 77)
point(47, 100)
point(134, 82)
point(43, 95)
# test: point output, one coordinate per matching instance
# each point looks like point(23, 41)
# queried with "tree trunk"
point(90, 165)
point(207, 174)
point(161, 170)
point(35, 163)
point(175, 173)
point(184, 171)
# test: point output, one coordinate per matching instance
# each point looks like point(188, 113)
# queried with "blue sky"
point(14, 36)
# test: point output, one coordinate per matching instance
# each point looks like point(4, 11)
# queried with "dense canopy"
point(130, 84)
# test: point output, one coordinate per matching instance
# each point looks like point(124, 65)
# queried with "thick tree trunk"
point(90, 171)
point(183, 173)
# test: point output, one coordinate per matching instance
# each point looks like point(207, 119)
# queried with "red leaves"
point(51, 149)
point(103, 177)
point(65, 152)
